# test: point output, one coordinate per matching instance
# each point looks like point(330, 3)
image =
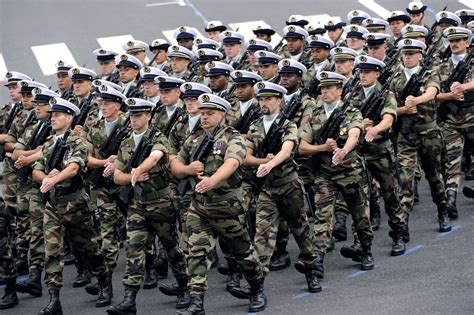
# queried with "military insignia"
point(123, 57)
point(37, 90)
point(199, 41)
point(130, 44)
point(24, 84)
point(217, 148)
point(369, 21)
point(103, 88)
point(414, 7)
point(238, 74)
point(410, 28)
point(261, 85)
point(286, 63)
point(252, 42)
point(463, 13)
point(394, 14)
point(324, 75)
point(291, 29)
point(147, 69)
point(293, 19)
point(188, 86)
point(205, 98)
point(314, 37)
point(211, 64)
point(355, 13)
point(9, 75)
point(76, 71)
point(131, 101)
point(60, 63)
point(96, 83)
point(162, 79)
point(262, 54)
point(354, 28)
point(330, 23)
point(407, 41)
point(53, 101)
point(444, 14)
point(371, 37)
point(259, 28)
point(338, 50)
point(363, 59)
point(182, 29)
point(343, 131)
point(452, 30)
point(228, 34)
point(175, 48)
point(102, 51)
point(201, 53)
point(211, 25)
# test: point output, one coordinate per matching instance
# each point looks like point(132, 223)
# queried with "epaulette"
point(397, 74)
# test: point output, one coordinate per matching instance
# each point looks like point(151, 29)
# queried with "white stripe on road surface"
point(3, 68)
point(375, 7)
point(246, 29)
point(178, 2)
point(48, 55)
point(114, 43)
point(467, 3)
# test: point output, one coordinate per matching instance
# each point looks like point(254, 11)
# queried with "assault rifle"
point(432, 31)
point(252, 113)
point(8, 124)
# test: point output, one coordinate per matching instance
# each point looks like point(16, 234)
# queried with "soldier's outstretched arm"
point(69, 172)
point(306, 148)
point(223, 173)
point(283, 155)
point(38, 176)
point(17, 152)
point(181, 170)
point(252, 161)
point(147, 165)
point(121, 178)
point(351, 143)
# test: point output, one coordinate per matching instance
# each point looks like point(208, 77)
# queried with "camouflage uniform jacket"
point(161, 118)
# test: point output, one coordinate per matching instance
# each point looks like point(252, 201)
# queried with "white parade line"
point(375, 7)
point(48, 55)
point(3, 68)
point(467, 3)
point(157, 4)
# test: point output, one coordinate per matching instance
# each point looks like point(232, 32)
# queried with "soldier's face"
point(161, 57)
point(14, 93)
point(81, 88)
point(411, 59)
point(214, 35)
point(140, 55)
point(269, 104)
point(139, 123)
point(378, 51)
point(186, 42)
point(106, 67)
point(396, 27)
point(267, 71)
point(368, 77)
point(192, 105)
point(127, 73)
point(319, 54)
point(344, 67)
point(27, 100)
point(251, 57)
point(264, 37)
point(218, 83)
point(444, 26)
point(232, 50)
point(416, 18)
point(60, 121)
point(355, 43)
point(458, 46)
point(41, 109)
point(151, 88)
point(290, 80)
point(244, 92)
point(334, 34)
point(331, 93)
point(63, 81)
point(109, 108)
point(210, 118)
point(295, 45)
point(170, 97)
point(179, 64)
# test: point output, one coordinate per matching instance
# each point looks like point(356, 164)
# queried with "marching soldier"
point(159, 49)
point(172, 106)
point(233, 44)
point(205, 55)
point(320, 47)
point(355, 17)
point(355, 37)
point(106, 61)
point(253, 46)
point(375, 25)
point(184, 36)
point(180, 58)
point(456, 101)
point(264, 32)
point(445, 19)
point(268, 65)
point(63, 80)
point(398, 20)
point(129, 68)
point(419, 140)
point(62, 179)
point(217, 204)
point(25, 155)
point(214, 30)
point(416, 9)
point(219, 78)
point(137, 49)
point(377, 45)
point(295, 37)
point(334, 30)
point(344, 62)
point(7, 265)
point(151, 89)
point(415, 32)
point(337, 168)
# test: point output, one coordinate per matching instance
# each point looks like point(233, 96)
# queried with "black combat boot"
point(339, 232)
point(161, 265)
point(468, 192)
point(367, 259)
point(375, 215)
point(398, 245)
point(105, 293)
point(150, 277)
point(313, 282)
point(280, 258)
point(196, 307)
point(127, 305)
point(9, 298)
point(318, 267)
point(69, 258)
point(451, 207)
point(215, 258)
point(21, 262)
point(169, 289)
point(415, 191)
point(258, 300)
point(83, 275)
point(468, 174)
point(92, 288)
point(233, 277)
point(32, 284)
point(54, 305)
point(354, 251)
point(443, 220)
point(223, 269)
point(184, 297)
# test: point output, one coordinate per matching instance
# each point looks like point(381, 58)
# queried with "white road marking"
point(114, 43)
point(3, 68)
point(157, 4)
point(48, 55)
point(467, 3)
point(376, 8)
point(246, 29)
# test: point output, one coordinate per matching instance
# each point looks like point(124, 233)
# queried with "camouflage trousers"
point(74, 216)
point(353, 187)
point(208, 220)
point(36, 208)
point(455, 140)
point(9, 192)
point(7, 263)
point(109, 218)
point(145, 220)
point(23, 218)
point(273, 205)
point(426, 148)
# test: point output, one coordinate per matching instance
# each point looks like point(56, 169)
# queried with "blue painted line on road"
point(413, 249)
point(307, 293)
point(360, 272)
point(454, 228)
point(196, 11)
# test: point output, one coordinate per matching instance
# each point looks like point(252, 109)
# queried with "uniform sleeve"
point(236, 148)
point(78, 153)
point(161, 144)
point(250, 141)
point(119, 162)
point(40, 163)
point(307, 134)
point(432, 80)
point(356, 119)
point(184, 155)
point(173, 145)
point(389, 106)
point(291, 133)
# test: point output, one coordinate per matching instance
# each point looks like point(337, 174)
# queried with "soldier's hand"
point(196, 168)
point(371, 133)
point(111, 158)
point(264, 170)
point(270, 156)
point(338, 156)
point(77, 130)
point(458, 88)
point(109, 169)
point(331, 145)
point(47, 184)
point(411, 101)
point(138, 175)
point(411, 110)
point(53, 173)
point(368, 123)
point(20, 162)
point(458, 96)
point(206, 183)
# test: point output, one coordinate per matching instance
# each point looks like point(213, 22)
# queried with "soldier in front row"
point(67, 206)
